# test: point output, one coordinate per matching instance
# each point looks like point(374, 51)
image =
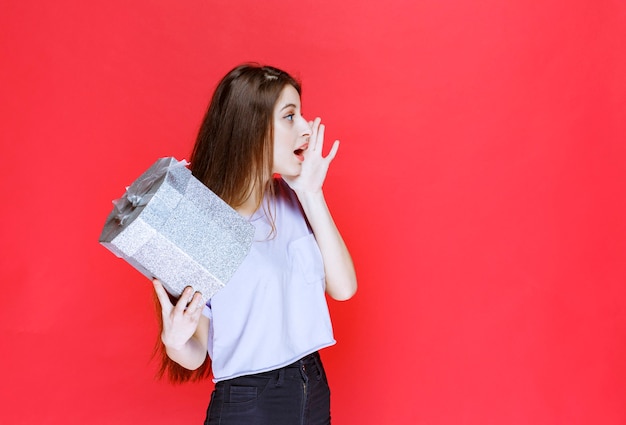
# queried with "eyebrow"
point(290, 105)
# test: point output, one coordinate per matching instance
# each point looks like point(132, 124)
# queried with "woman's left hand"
point(314, 166)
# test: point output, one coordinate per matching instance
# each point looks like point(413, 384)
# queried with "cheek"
point(281, 142)
point(280, 151)
point(284, 152)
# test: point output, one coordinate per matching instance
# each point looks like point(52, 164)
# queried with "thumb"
point(164, 299)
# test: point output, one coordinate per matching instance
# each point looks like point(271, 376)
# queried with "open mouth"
point(299, 153)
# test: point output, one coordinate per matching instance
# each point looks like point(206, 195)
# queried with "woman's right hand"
point(180, 321)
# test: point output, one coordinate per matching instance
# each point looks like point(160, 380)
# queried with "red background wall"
point(480, 185)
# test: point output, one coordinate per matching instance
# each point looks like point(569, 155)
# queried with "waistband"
point(309, 365)
point(308, 360)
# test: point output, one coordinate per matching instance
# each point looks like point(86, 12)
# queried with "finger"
point(333, 151)
point(314, 133)
point(196, 305)
point(162, 296)
point(185, 298)
point(320, 138)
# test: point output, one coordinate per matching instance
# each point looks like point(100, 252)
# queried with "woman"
point(263, 330)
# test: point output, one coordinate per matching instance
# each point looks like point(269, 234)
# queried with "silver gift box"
point(170, 226)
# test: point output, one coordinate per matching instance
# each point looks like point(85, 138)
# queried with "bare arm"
point(185, 329)
point(338, 267)
point(341, 281)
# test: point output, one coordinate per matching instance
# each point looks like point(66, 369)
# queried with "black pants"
point(297, 394)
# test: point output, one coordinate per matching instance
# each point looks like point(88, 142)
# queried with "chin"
point(289, 175)
point(291, 172)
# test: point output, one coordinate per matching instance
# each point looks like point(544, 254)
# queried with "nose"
point(304, 127)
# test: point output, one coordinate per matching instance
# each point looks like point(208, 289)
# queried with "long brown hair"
point(234, 149)
point(233, 156)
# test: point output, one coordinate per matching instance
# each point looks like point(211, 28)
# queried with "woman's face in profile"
point(291, 133)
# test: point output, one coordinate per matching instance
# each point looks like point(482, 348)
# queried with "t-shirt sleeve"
point(207, 312)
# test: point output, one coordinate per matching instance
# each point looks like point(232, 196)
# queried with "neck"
point(248, 207)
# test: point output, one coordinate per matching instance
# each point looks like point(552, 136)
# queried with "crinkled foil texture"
point(185, 235)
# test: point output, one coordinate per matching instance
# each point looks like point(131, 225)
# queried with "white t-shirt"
point(273, 311)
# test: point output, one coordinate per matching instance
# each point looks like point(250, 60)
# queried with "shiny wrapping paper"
point(170, 226)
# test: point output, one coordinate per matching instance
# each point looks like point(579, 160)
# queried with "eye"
point(290, 117)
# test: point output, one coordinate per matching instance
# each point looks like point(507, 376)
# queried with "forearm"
point(190, 356)
point(341, 281)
